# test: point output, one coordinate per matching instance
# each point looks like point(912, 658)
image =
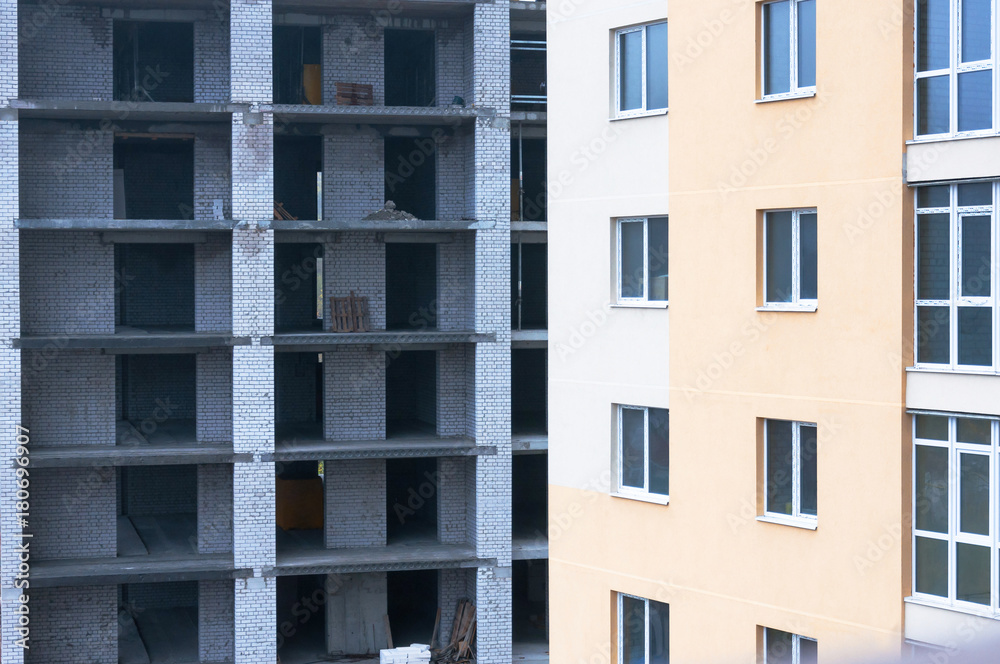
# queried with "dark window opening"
point(410, 286)
point(411, 175)
point(527, 72)
point(153, 61)
point(297, 161)
point(412, 605)
point(529, 496)
point(530, 608)
point(298, 288)
point(529, 199)
point(299, 500)
point(298, 54)
point(411, 500)
point(154, 287)
point(298, 395)
point(410, 78)
point(529, 286)
point(529, 408)
point(411, 394)
point(155, 399)
point(301, 613)
point(157, 510)
point(158, 622)
point(158, 177)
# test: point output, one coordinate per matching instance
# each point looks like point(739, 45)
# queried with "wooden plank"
point(388, 632)
point(437, 625)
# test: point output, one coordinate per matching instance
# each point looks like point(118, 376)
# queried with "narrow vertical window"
point(643, 631)
point(790, 454)
point(788, 47)
point(641, 70)
point(790, 259)
point(643, 451)
point(642, 260)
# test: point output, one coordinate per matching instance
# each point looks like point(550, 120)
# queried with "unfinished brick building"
point(219, 471)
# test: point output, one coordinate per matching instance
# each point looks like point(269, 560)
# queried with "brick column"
point(10, 328)
point(491, 150)
point(253, 316)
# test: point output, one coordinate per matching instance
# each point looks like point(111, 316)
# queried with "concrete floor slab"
point(310, 559)
point(305, 443)
point(168, 534)
point(92, 456)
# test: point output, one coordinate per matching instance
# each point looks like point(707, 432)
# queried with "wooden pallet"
point(350, 314)
point(355, 94)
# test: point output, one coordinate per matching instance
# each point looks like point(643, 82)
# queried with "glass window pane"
point(933, 335)
point(932, 427)
point(631, 259)
point(808, 651)
point(937, 196)
point(778, 245)
point(807, 256)
point(633, 634)
point(933, 256)
point(659, 451)
point(656, 66)
point(633, 447)
point(975, 100)
point(659, 633)
point(931, 489)
point(779, 466)
point(976, 193)
point(933, 115)
point(975, 336)
point(932, 566)
point(976, 21)
point(630, 70)
point(974, 430)
point(974, 494)
point(976, 264)
point(657, 245)
point(933, 34)
point(777, 646)
point(807, 43)
point(777, 47)
point(973, 573)
point(807, 459)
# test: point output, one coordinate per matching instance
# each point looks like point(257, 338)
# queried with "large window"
point(788, 48)
point(790, 451)
point(956, 67)
point(641, 68)
point(643, 451)
point(955, 535)
point(642, 260)
point(790, 259)
point(643, 631)
point(786, 648)
point(957, 279)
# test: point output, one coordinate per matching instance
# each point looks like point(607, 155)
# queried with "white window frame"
point(956, 67)
point(645, 631)
point(794, 90)
point(798, 303)
point(644, 300)
point(642, 111)
point(797, 640)
point(956, 300)
point(954, 536)
point(630, 491)
point(796, 518)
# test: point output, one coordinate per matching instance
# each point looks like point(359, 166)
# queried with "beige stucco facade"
point(714, 163)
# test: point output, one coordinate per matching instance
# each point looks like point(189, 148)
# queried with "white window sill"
point(642, 114)
point(807, 524)
point(972, 610)
point(966, 136)
point(964, 371)
point(800, 308)
point(654, 498)
point(639, 305)
point(798, 94)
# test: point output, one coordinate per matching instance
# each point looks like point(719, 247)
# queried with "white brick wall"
point(452, 506)
point(67, 174)
point(213, 284)
point(69, 398)
point(66, 52)
point(355, 503)
point(455, 281)
point(256, 618)
point(353, 174)
point(253, 515)
point(212, 179)
point(354, 379)
point(73, 510)
point(77, 625)
point(454, 392)
point(215, 620)
point(355, 263)
point(353, 52)
point(214, 401)
point(211, 60)
point(215, 508)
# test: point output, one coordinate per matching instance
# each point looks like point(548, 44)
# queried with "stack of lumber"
point(461, 646)
point(280, 213)
point(417, 653)
point(354, 94)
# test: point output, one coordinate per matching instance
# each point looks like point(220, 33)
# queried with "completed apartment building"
point(790, 454)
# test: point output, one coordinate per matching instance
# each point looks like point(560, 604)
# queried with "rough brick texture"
point(212, 179)
point(77, 625)
point(353, 173)
point(353, 52)
point(69, 398)
point(451, 502)
point(355, 263)
point(66, 52)
point(213, 274)
point(215, 621)
point(214, 401)
point(355, 503)
point(215, 508)
point(77, 508)
point(67, 174)
point(456, 269)
point(355, 394)
point(211, 60)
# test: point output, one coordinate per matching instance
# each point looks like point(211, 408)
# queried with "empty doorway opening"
point(529, 391)
point(529, 285)
point(412, 605)
point(411, 500)
point(410, 286)
point(411, 394)
point(298, 168)
point(298, 54)
point(153, 61)
point(410, 78)
point(298, 287)
point(411, 175)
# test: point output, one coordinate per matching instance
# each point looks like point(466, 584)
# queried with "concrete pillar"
point(355, 503)
point(491, 149)
point(354, 399)
point(250, 25)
